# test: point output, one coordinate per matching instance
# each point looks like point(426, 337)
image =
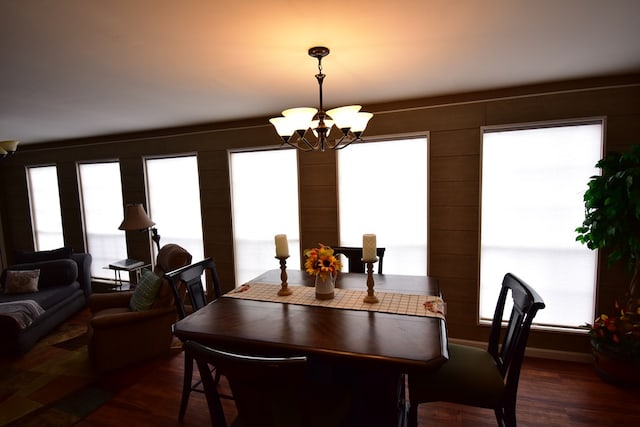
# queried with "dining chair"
point(187, 285)
point(484, 378)
point(269, 391)
point(354, 258)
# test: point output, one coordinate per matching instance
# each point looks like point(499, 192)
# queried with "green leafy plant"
point(612, 211)
point(612, 221)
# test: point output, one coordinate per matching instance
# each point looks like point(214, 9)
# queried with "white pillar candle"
point(369, 247)
point(282, 246)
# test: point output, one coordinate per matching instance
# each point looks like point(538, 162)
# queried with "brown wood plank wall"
point(453, 124)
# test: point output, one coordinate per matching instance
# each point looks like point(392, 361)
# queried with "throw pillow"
point(22, 282)
point(145, 291)
point(58, 272)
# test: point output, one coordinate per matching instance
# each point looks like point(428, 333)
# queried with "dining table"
point(375, 344)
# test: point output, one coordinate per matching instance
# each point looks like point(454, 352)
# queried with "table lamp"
point(136, 218)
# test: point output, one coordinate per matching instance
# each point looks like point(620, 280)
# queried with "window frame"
point(149, 206)
point(294, 250)
point(32, 212)
point(595, 120)
point(388, 139)
point(107, 274)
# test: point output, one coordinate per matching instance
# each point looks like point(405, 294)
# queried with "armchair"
point(120, 336)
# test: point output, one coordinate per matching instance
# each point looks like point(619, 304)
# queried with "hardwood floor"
point(552, 393)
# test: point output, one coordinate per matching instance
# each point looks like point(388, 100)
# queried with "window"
point(394, 171)
point(102, 207)
point(533, 180)
point(264, 188)
point(173, 190)
point(46, 216)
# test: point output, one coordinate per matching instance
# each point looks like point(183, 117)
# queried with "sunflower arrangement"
point(321, 261)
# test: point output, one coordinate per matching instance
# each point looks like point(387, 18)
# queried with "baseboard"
point(541, 353)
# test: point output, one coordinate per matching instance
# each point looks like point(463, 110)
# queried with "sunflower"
point(321, 261)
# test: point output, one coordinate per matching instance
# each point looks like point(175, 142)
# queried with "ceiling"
point(86, 68)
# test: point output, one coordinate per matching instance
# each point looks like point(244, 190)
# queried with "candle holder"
point(284, 289)
point(370, 298)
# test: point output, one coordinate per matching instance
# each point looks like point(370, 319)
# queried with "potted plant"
point(612, 222)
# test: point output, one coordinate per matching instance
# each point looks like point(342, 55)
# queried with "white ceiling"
point(74, 68)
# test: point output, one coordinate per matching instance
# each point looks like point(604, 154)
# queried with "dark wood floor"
point(552, 393)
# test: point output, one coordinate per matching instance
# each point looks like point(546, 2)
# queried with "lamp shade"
point(300, 117)
point(135, 218)
point(9, 146)
point(344, 116)
point(283, 126)
point(360, 121)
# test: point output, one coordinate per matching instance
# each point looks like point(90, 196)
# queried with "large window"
point(174, 202)
point(382, 189)
point(101, 196)
point(533, 180)
point(46, 217)
point(264, 187)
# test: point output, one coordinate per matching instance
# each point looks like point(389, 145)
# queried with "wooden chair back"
point(267, 391)
point(187, 282)
point(354, 258)
point(507, 347)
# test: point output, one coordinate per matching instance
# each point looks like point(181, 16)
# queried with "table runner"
point(347, 299)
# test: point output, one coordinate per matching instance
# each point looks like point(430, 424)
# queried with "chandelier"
point(295, 123)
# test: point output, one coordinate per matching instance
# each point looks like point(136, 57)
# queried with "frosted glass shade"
point(359, 122)
point(300, 118)
point(284, 127)
point(9, 146)
point(344, 116)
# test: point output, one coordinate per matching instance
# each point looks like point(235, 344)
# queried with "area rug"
point(51, 385)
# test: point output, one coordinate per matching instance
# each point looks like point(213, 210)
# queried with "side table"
point(128, 265)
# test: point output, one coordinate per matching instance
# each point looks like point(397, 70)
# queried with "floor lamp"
point(135, 218)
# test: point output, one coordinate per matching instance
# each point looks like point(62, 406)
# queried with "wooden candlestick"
point(370, 298)
point(284, 289)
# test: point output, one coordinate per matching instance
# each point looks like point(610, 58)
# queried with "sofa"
point(38, 293)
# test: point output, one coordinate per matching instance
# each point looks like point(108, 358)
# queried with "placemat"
point(346, 299)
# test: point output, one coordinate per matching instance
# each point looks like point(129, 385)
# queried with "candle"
point(282, 246)
point(369, 247)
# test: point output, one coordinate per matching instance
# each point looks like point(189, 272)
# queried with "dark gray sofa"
point(64, 287)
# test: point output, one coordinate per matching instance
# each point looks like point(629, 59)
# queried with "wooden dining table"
point(378, 348)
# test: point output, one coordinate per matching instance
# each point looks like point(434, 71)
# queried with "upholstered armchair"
point(132, 326)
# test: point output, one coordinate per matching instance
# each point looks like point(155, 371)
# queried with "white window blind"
point(46, 215)
point(102, 207)
point(173, 190)
point(533, 181)
point(382, 189)
point(264, 186)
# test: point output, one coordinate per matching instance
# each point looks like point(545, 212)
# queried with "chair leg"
point(186, 385)
point(506, 416)
point(412, 419)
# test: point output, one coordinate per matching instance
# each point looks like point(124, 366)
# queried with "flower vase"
point(325, 287)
